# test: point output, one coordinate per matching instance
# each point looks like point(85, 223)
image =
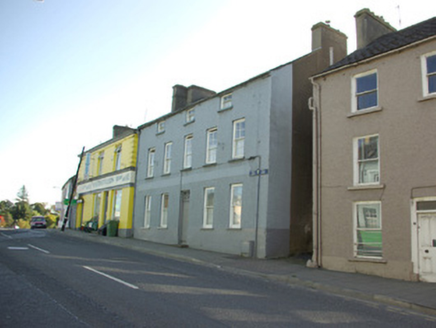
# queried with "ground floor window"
point(117, 204)
point(368, 229)
point(235, 205)
point(164, 211)
point(209, 195)
point(97, 202)
point(147, 211)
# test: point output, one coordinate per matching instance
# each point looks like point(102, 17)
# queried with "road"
point(53, 280)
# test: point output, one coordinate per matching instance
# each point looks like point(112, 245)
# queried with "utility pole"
point(73, 189)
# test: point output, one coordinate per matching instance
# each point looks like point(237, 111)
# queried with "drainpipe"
point(256, 228)
point(314, 106)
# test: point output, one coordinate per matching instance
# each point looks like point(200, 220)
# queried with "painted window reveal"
point(212, 145)
point(167, 157)
point(238, 138)
point(236, 205)
point(365, 91)
point(209, 199)
point(87, 165)
point(97, 202)
point(367, 164)
point(150, 168)
point(187, 160)
point(164, 211)
point(368, 230)
point(100, 163)
point(147, 211)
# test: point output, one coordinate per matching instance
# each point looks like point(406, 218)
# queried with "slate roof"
point(390, 41)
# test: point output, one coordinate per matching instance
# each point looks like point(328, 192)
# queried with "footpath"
point(417, 296)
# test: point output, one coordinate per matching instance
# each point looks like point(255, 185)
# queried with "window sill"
point(427, 97)
point(234, 229)
point(368, 259)
point(160, 132)
point(165, 174)
point(149, 178)
point(366, 187)
point(162, 228)
point(186, 169)
point(207, 229)
point(225, 109)
point(365, 111)
point(210, 164)
point(145, 228)
point(190, 122)
point(237, 159)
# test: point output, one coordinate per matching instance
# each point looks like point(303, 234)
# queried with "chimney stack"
point(370, 27)
point(185, 96)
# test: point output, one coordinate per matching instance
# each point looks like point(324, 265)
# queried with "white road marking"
point(110, 277)
point(39, 249)
point(4, 235)
point(13, 248)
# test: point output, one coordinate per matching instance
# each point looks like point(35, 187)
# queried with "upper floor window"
point(366, 163)
point(117, 158)
point(211, 146)
point(161, 127)
point(429, 73)
point(187, 158)
point(226, 101)
point(100, 163)
point(365, 91)
point(87, 165)
point(238, 138)
point(190, 115)
point(150, 169)
point(167, 158)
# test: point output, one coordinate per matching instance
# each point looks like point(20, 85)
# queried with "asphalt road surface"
point(53, 280)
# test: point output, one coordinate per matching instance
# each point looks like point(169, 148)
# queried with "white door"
point(427, 246)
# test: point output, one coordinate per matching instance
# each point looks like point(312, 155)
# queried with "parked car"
point(38, 222)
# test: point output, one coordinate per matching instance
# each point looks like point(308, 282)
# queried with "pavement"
point(416, 296)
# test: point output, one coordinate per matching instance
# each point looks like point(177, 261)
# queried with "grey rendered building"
point(375, 177)
point(231, 171)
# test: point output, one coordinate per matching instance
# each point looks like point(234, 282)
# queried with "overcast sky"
point(71, 69)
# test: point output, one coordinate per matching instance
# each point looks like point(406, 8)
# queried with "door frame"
point(184, 221)
point(415, 247)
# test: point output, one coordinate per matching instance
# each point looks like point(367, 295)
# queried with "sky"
point(72, 69)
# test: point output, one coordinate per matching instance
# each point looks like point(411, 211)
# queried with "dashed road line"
point(113, 278)
point(15, 248)
point(39, 249)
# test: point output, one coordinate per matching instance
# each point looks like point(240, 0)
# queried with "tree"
point(23, 195)
point(21, 210)
point(39, 208)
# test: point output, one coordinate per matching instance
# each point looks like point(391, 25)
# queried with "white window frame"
point(357, 163)
point(150, 161)
point(161, 127)
point(117, 164)
point(425, 75)
point(356, 228)
point(167, 158)
point(97, 204)
point(227, 101)
point(208, 209)
point(147, 211)
point(234, 223)
point(190, 115)
point(238, 140)
point(164, 205)
point(211, 149)
point(187, 156)
point(355, 95)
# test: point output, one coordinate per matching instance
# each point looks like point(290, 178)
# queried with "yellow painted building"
point(106, 182)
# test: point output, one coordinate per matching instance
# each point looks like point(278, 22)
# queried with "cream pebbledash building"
point(106, 181)
point(375, 155)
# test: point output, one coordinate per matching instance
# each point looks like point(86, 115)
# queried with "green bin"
point(112, 228)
